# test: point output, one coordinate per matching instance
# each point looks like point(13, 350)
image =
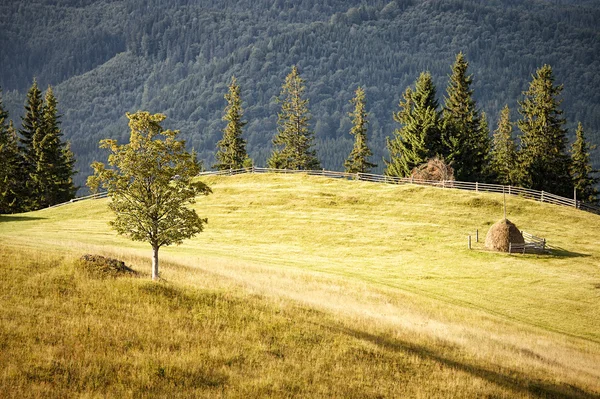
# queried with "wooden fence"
point(93, 196)
point(532, 244)
point(542, 196)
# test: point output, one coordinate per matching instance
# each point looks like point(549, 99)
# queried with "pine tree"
point(483, 146)
point(419, 137)
point(294, 140)
point(55, 159)
point(9, 159)
point(582, 172)
point(543, 160)
point(504, 151)
point(46, 162)
point(466, 143)
point(358, 160)
point(32, 128)
point(231, 152)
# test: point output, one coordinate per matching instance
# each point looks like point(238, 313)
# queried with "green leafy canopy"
point(150, 183)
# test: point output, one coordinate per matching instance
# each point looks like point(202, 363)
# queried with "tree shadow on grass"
point(18, 218)
point(559, 252)
point(507, 378)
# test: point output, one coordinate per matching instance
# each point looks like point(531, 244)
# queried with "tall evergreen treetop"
point(543, 159)
point(294, 139)
point(46, 165)
point(32, 125)
point(358, 160)
point(231, 152)
point(419, 137)
point(582, 172)
point(466, 142)
point(55, 160)
point(504, 151)
point(9, 164)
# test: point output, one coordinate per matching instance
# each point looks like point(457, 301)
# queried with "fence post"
point(575, 198)
point(542, 199)
point(508, 190)
point(469, 241)
point(476, 186)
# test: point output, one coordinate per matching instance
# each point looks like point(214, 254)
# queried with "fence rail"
point(541, 196)
point(93, 196)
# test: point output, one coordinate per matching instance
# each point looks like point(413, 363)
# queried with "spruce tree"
point(358, 160)
point(466, 142)
point(294, 139)
point(32, 129)
point(582, 172)
point(47, 163)
point(483, 147)
point(231, 153)
point(504, 151)
point(419, 137)
point(9, 162)
point(55, 160)
point(543, 160)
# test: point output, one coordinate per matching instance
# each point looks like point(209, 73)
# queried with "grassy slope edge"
point(337, 289)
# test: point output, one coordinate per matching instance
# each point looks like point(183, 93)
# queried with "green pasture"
point(333, 266)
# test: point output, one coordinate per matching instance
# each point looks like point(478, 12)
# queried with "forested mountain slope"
point(107, 57)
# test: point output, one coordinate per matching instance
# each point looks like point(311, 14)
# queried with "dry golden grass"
point(365, 290)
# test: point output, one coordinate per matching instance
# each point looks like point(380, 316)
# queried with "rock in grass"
point(102, 267)
point(501, 234)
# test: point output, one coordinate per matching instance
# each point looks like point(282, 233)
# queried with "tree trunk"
point(155, 263)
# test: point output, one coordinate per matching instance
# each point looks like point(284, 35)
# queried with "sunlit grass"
point(383, 267)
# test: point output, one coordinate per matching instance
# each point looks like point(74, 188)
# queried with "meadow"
point(304, 286)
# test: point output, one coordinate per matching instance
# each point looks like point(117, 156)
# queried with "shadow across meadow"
point(559, 252)
point(508, 378)
point(18, 218)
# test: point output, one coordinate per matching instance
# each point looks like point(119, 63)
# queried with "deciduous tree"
point(151, 181)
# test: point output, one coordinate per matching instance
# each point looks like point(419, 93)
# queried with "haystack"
point(98, 266)
point(501, 234)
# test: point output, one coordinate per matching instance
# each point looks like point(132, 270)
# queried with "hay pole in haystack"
point(502, 234)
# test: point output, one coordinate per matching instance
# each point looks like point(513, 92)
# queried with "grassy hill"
point(310, 287)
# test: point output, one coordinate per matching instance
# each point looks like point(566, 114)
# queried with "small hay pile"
point(101, 267)
point(434, 169)
point(501, 234)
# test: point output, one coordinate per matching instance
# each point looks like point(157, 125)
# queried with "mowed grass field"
point(305, 286)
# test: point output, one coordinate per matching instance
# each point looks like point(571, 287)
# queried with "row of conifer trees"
point(36, 165)
point(458, 134)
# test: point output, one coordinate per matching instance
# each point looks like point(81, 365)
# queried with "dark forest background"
point(107, 57)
